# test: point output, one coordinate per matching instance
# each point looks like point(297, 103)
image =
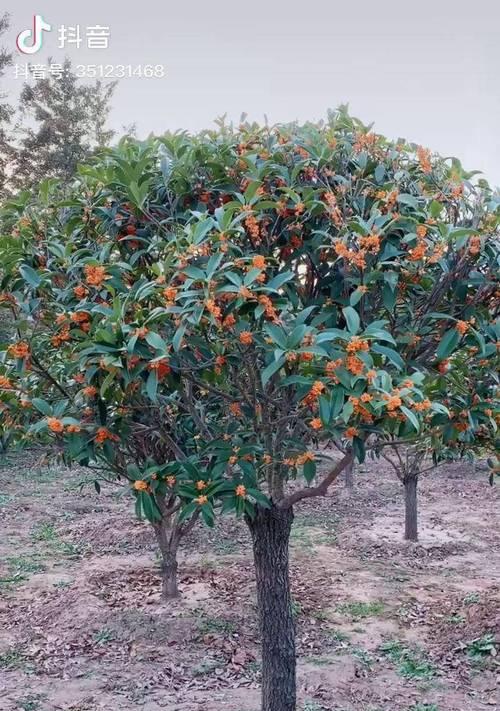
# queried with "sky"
point(427, 71)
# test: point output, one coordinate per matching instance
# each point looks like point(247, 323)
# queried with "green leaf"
point(352, 319)
point(278, 281)
point(152, 385)
point(42, 406)
point(178, 336)
point(411, 417)
point(272, 368)
point(407, 199)
point(30, 275)
point(324, 410)
point(337, 401)
point(448, 343)
point(309, 471)
point(358, 448)
point(389, 353)
point(156, 341)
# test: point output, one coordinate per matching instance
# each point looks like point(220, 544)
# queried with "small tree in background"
point(245, 295)
point(6, 112)
point(62, 121)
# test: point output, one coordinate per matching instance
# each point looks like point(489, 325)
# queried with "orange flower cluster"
point(259, 261)
point(462, 327)
point(437, 253)
point(212, 308)
point(422, 406)
point(351, 432)
point(359, 409)
point(393, 401)
point(162, 367)
point(104, 434)
point(246, 338)
point(19, 350)
point(235, 409)
point(201, 500)
point(55, 425)
point(303, 458)
point(356, 258)
point(371, 243)
point(421, 231)
point(252, 226)
point(141, 485)
point(229, 321)
point(219, 362)
point(80, 291)
point(269, 310)
point(357, 344)
point(355, 365)
point(314, 393)
point(424, 158)
point(331, 367)
point(5, 383)
point(201, 484)
point(315, 423)
point(170, 293)
point(73, 429)
point(474, 244)
point(79, 317)
point(141, 332)
point(418, 252)
point(170, 480)
point(364, 141)
point(90, 391)
point(94, 275)
point(240, 491)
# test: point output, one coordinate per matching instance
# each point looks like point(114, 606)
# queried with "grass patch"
point(216, 625)
point(411, 662)
point(32, 702)
point(363, 657)
point(11, 659)
point(423, 707)
point(482, 650)
point(472, 598)
point(360, 610)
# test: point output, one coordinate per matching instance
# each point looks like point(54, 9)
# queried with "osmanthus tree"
point(467, 431)
point(198, 313)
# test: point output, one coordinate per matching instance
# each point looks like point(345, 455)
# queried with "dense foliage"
point(197, 313)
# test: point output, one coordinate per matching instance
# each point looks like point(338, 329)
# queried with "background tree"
point(62, 121)
point(6, 112)
point(247, 295)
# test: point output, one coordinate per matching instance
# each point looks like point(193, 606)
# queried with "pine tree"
point(6, 112)
point(63, 121)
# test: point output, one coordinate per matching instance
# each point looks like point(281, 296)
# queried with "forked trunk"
point(349, 477)
point(168, 542)
point(271, 534)
point(169, 587)
point(411, 508)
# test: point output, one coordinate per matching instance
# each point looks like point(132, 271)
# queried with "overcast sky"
point(426, 70)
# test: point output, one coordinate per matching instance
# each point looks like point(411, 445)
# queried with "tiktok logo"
point(30, 41)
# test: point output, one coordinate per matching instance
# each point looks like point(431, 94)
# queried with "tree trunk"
point(168, 543)
point(411, 511)
point(271, 533)
point(349, 477)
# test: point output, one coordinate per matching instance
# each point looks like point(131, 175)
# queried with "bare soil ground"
point(382, 625)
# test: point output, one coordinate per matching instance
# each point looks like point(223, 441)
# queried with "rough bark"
point(270, 534)
point(168, 543)
point(349, 477)
point(411, 509)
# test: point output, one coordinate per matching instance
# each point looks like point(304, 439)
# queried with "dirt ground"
point(382, 625)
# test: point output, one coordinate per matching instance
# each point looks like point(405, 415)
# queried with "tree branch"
point(319, 490)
